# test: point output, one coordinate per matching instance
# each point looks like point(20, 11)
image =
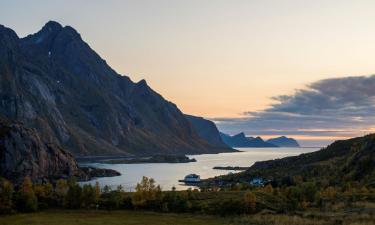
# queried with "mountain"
point(207, 130)
point(240, 140)
point(341, 162)
point(54, 82)
point(283, 142)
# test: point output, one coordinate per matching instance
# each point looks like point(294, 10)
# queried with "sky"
point(265, 67)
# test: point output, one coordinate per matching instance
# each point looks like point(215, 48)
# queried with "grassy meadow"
point(124, 217)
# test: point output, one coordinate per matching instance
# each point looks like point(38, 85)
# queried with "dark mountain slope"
point(342, 161)
point(283, 142)
point(54, 82)
point(207, 130)
point(241, 141)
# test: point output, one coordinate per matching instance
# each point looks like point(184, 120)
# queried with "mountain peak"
point(258, 138)
point(51, 26)
point(142, 82)
point(49, 32)
point(242, 134)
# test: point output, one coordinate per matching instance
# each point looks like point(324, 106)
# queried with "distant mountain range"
point(54, 82)
point(240, 140)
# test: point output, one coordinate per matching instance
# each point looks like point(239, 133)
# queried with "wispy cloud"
point(340, 107)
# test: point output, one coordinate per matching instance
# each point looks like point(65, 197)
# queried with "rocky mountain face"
point(24, 153)
point(241, 141)
point(284, 142)
point(207, 130)
point(54, 82)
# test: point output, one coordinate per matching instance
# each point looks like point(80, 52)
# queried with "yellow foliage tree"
point(250, 201)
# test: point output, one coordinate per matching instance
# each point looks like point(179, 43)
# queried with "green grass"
point(90, 217)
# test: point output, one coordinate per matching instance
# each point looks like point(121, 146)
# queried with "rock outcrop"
point(24, 153)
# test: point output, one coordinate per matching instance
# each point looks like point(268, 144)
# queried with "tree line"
point(236, 199)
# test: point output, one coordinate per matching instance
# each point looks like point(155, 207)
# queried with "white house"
point(257, 181)
point(192, 178)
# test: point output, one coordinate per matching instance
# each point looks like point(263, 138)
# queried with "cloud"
point(339, 107)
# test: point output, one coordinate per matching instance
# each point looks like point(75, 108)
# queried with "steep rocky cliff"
point(54, 82)
point(207, 130)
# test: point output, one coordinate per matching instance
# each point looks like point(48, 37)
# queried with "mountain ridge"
point(54, 82)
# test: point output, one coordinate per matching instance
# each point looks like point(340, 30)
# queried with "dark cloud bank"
point(339, 107)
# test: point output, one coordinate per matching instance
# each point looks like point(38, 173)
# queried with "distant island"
point(138, 160)
point(284, 142)
point(230, 168)
point(242, 141)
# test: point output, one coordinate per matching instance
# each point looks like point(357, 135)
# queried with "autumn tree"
point(147, 194)
point(26, 199)
point(44, 194)
point(250, 202)
point(73, 198)
point(6, 194)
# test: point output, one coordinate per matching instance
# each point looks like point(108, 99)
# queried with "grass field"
point(107, 218)
point(90, 217)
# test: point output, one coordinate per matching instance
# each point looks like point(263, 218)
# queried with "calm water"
point(168, 174)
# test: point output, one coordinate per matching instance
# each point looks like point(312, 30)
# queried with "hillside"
point(342, 161)
point(54, 82)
